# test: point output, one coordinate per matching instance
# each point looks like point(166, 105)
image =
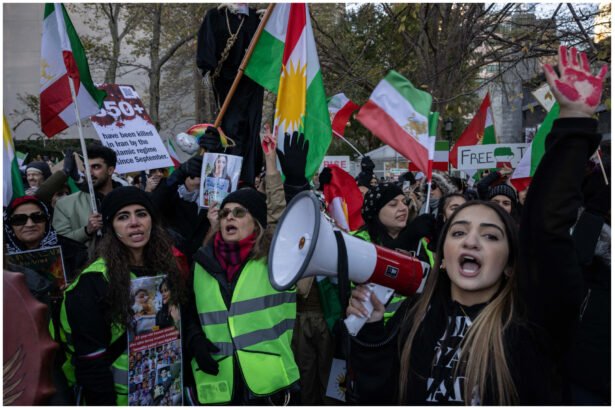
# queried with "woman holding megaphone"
point(494, 322)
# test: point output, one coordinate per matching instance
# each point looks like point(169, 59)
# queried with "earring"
point(443, 265)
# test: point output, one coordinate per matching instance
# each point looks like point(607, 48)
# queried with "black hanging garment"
point(242, 120)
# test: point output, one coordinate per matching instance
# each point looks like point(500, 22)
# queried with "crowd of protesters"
point(515, 308)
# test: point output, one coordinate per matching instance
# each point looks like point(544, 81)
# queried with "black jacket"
point(186, 224)
point(550, 285)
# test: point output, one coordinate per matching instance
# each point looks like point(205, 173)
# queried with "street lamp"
point(448, 128)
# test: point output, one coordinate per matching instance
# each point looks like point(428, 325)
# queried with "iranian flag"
point(398, 114)
point(522, 176)
point(440, 158)
point(13, 183)
point(479, 131)
point(63, 59)
point(285, 62)
point(340, 110)
point(344, 200)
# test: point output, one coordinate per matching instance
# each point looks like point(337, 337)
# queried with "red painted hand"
point(577, 91)
point(269, 143)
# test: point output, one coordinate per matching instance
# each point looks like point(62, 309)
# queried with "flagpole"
point(243, 65)
point(347, 142)
point(86, 161)
point(606, 179)
point(418, 248)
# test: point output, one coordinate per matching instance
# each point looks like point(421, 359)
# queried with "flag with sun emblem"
point(285, 62)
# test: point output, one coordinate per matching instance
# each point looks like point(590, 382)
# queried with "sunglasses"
point(237, 212)
point(22, 219)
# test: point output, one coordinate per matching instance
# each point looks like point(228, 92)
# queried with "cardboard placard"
point(219, 177)
point(154, 345)
point(48, 262)
point(124, 126)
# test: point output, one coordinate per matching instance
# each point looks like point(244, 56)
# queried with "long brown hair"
point(482, 360)
point(157, 257)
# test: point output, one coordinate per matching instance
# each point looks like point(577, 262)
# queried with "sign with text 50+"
point(489, 156)
point(124, 126)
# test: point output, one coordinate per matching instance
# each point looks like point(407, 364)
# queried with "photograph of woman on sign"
point(219, 177)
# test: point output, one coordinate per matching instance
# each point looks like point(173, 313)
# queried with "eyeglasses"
point(22, 219)
point(237, 212)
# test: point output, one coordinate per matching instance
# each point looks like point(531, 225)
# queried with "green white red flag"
point(398, 114)
point(285, 62)
point(440, 158)
point(479, 131)
point(523, 174)
point(12, 183)
point(173, 154)
point(340, 110)
point(62, 59)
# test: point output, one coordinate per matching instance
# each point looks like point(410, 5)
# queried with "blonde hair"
point(483, 359)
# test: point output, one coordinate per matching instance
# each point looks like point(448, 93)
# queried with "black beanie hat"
point(377, 197)
point(254, 201)
point(40, 166)
point(364, 179)
point(121, 197)
point(503, 189)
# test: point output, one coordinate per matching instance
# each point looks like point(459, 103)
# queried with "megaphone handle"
point(354, 323)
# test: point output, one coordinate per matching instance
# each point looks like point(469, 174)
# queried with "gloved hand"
point(202, 355)
point(190, 168)
point(210, 142)
point(70, 165)
point(324, 178)
point(294, 158)
point(367, 165)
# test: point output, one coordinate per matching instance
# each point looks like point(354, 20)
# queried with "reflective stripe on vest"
point(256, 330)
point(119, 368)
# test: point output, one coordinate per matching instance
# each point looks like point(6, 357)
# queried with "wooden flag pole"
point(243, 65)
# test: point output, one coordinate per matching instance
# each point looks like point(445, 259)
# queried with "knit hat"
point(443, 181)
point(39, 166)
point(377, 197)
point(502, 189)
point(364, 178)
point(121, 197)
point(252, 200)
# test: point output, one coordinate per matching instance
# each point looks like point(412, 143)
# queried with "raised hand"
point(269, 144)
point(294, 158)
point(576, 90)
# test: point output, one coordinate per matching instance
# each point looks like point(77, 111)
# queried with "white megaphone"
point(304, 244)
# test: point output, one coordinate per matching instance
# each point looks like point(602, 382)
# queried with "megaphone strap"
point(342, 269)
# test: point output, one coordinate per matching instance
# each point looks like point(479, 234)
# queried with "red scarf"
point(231, 256)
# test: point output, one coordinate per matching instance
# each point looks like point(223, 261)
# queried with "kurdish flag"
point(285, 62)
point(63, 59)
point(340, 110)
point(479, 131)
point(13, 184)
point(398, 114)
point(522, 176)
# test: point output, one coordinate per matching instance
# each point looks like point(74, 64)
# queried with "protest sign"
point(342, 161)
point(154, 345)
point(47, 262)
point(219, 177)
point(124, 126)
point(474, 157)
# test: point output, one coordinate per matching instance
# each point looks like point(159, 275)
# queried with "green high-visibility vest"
point(119, 367)
point(256, 331)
